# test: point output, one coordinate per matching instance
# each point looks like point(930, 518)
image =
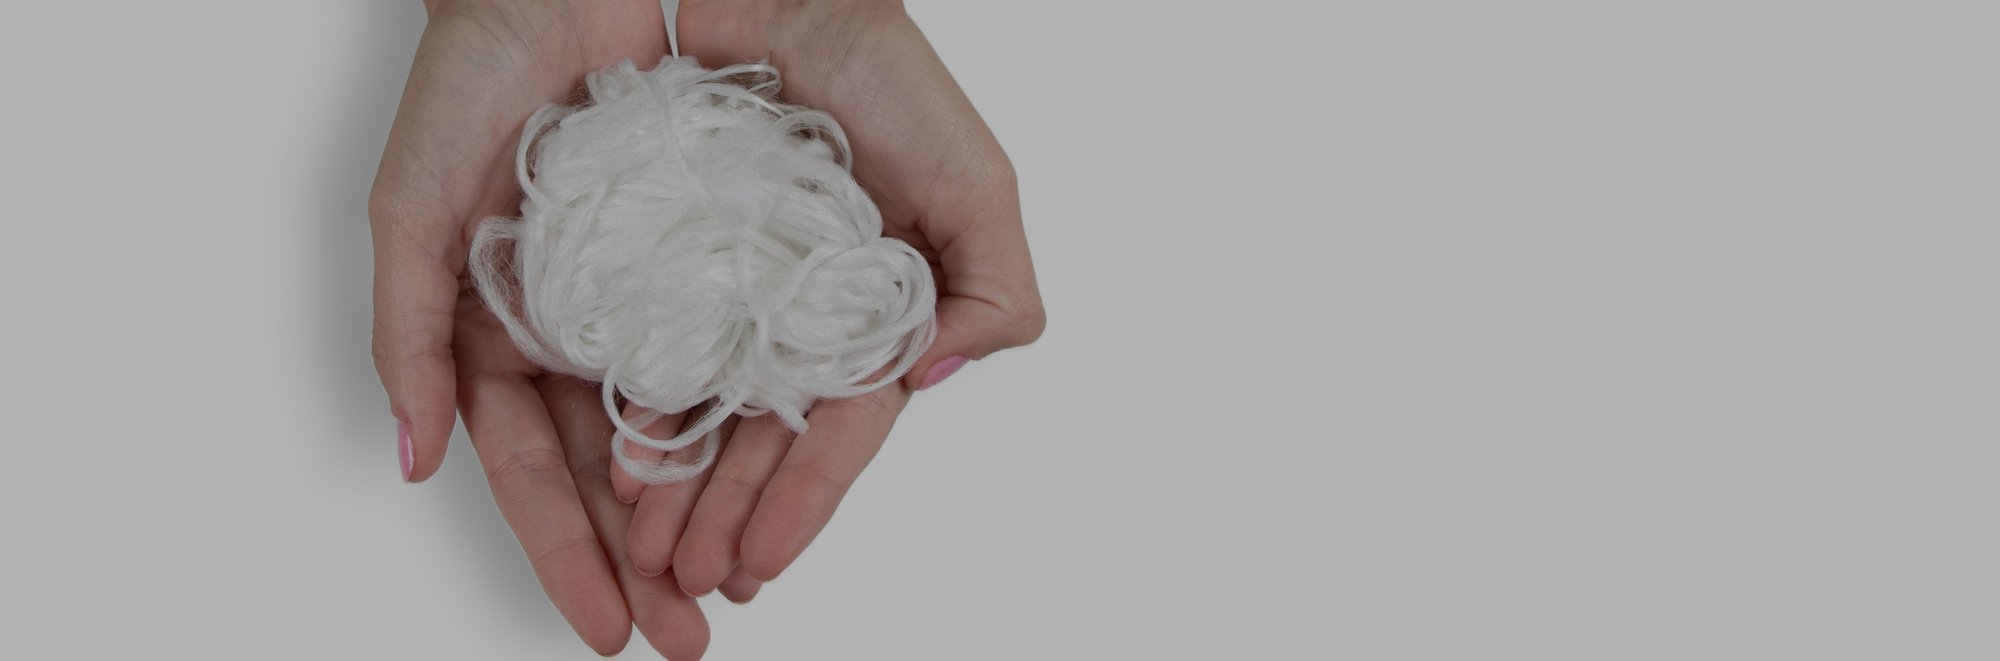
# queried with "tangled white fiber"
point(687, 239)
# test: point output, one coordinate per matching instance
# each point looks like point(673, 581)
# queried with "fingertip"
point(939, 371)
point(765, 567)
point(675, 624)
point(628, 489)
point(420, 446)
point(610, 631)
point(649, 540)
point(968, 330)
point(690, 646)
point(740, 587)
point(768, 550)
point(940, 362)
point(654, 534)
point(946, 347)
point(919, 373)
point(784, 525)
point(690, 650)
point(697, 585)
point(606, 639)
point(696, 571)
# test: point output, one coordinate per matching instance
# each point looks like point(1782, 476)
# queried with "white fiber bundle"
point(685, 239)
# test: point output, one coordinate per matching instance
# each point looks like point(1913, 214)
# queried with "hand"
point(481, 69)
point(944, 186)
point(941, 180)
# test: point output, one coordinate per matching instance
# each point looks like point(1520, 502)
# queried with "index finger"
point(842, 437)
point(532, 483)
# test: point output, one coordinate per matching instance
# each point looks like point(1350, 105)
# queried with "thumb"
point(416, 291)
point(989, 300)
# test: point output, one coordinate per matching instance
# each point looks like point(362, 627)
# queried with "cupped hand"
point(944, 186)
point(483, 66)
point(480, 70)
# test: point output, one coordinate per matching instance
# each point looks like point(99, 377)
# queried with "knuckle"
point(738, 480)
point(644, 455)
point(1029, 324)
point(380, 352)
point(874, 405)
point(818, 479)
point(569, 545)
point(1006, 178)
point(519, 471)
point(397, 365)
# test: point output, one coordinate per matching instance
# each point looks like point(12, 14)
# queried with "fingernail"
point(404, 455)
point(940, 371)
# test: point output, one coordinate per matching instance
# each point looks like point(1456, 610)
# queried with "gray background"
point(1379, 330)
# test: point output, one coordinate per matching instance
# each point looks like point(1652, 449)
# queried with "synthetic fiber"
point(686, 239)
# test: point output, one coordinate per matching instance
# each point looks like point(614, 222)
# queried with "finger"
point(989, 300)
point(658, 522)
point(671, 620)
point(663, 513)
point(843, 437)
point(708, 549)
point(740, 587)
point(416, 293)
point(627, 487)
point(532, 484)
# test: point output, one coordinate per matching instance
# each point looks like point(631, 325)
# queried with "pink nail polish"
point(404, 454)
point(944, 368)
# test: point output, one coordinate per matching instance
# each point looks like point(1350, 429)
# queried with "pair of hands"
point(612, 552)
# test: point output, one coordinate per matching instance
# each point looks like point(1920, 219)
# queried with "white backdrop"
point(1412, 330)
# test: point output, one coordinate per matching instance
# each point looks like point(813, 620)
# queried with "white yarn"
point(688, 239)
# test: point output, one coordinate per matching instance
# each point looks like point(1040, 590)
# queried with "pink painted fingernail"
point(940, 371)
point(404, 454)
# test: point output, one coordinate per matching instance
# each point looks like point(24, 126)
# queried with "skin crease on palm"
point(611, 552)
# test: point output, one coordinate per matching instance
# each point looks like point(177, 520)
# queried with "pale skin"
point(610, 551)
